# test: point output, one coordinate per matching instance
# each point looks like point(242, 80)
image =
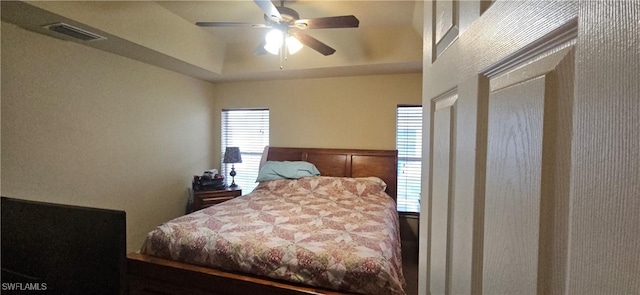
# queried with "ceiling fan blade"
point(260, 49)
point(314, 43)
point(345, 21)
point(269, 9)
point(230, 24)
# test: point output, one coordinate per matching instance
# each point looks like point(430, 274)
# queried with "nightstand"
point(205, 198)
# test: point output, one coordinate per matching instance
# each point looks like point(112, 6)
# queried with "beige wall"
point(345, 112)
point(85, 127)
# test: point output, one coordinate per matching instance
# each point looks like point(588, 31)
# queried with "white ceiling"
point(163, 33)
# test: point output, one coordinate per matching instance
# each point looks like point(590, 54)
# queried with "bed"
point(295, 236)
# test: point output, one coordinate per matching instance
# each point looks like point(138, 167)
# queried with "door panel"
point(503, 227)
point(445, 22)
point(528, 176)
point(440, 200)
point(513, 188)
point(441, 195)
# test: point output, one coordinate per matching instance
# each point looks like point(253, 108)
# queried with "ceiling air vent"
point(73, 32)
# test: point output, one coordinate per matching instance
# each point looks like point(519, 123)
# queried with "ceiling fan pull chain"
point(285, 47)
point(283, 51)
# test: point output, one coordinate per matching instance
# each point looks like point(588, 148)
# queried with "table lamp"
point(232, 155)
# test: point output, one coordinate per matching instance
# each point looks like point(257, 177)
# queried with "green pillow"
point(273, 170)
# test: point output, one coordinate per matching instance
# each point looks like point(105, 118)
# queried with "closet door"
point(509, 127)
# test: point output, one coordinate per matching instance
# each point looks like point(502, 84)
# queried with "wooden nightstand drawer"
point(204, 199)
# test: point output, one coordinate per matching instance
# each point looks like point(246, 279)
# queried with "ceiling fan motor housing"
point(288, 15)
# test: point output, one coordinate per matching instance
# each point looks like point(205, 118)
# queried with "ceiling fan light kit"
point(275, 40)
point(293, 45)
point(280, 40)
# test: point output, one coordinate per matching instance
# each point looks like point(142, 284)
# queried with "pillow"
point(377, 180)
point(273, 170)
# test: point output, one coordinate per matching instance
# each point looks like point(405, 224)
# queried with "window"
point(247, 129)
point(409, 145)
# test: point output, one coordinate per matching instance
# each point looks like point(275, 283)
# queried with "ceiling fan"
point(289, 28)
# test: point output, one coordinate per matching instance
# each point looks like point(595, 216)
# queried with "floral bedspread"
point(329, 232)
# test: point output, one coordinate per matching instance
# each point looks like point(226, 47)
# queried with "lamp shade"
point(232, 155)
point(293, 45)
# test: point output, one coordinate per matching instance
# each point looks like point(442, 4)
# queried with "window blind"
point(409, 146)
point(247, 129)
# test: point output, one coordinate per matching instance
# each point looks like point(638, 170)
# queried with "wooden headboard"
point(345, 162)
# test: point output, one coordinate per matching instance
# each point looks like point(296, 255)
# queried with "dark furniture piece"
point(62, 249)
point(205, 198)
point(151, 275)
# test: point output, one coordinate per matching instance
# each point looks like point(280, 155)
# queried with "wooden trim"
point(151, 275)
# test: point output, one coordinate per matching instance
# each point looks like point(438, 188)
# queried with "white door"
point(532, 170)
